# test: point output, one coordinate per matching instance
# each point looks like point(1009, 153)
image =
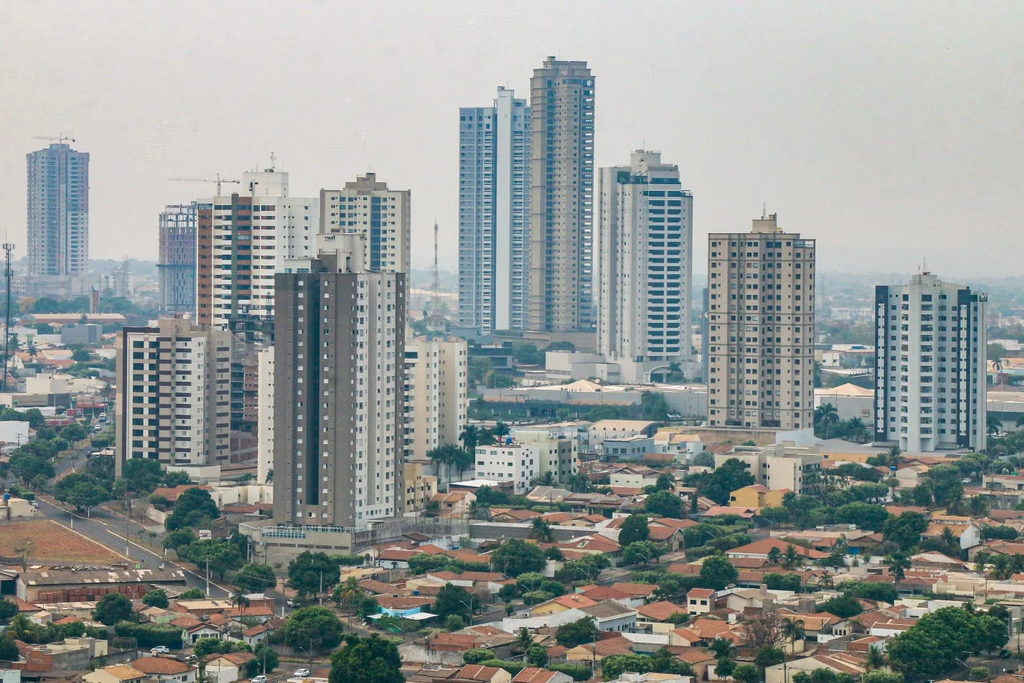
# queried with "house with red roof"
point(761, 549)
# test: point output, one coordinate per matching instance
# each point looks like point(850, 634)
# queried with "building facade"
point(177, 261)
point(437, 399)
point(510, 463)
point(494, 213)
point(561, 269)
point(930, 365)
point(556, 453)
point(645, 267)
point(242, 241)
point(265, 415)
point(58, 211)
point(779, 466)
point(761, 328)
point(339, 394)
point(367, 207)
point(173, 394)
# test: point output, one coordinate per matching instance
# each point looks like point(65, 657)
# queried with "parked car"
point(259, 679)
point(160, 650)
point(301, 673)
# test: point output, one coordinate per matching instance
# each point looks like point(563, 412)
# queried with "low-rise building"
point(165, 670)
point(510, 462)
point(119, 673)
point(756, 496)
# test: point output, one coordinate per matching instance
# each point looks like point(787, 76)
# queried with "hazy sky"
point(888, 131)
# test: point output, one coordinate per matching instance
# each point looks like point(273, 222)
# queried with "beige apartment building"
point(562, 197)
point(436, 393)
point(761, 328)
point(779, 466)
point(384, 216)
point(173, 394)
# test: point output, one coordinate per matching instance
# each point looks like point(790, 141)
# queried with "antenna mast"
point(436, 321)
point(8, 276)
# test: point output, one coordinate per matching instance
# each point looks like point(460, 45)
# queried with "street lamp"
point(470, 608)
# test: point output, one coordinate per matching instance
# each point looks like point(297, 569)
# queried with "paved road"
point(109, 531)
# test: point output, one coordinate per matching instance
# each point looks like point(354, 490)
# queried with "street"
point(109, 531)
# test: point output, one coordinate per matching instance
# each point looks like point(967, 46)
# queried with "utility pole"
point(8, 275)
point(207, 577)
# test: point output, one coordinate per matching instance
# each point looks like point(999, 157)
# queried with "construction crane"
point(217, 180)
point(60, 138)
point(436, 322)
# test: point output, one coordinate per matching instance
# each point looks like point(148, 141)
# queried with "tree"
point(793, 629)
point(541, 531)
point(876, 658)
point(255, 578)
point(470, 437)
point(266, 661)
point(665, 482)
point(179, 538)
point(865, 515)
point(774, 556)
point(641, 552)
point(843, 606)
point(537, 655)
point(939, 639)
point(112, 608)
point(721, 647)
point(898, 564)
point(764, 630)
point(826, 416)
point(208, 646)
point(665, 504)
point(577, 632)
point(905, 530)
point(8, 649)
point(7, 610)
point(141, 475)
point(367, 660)
point(478, 655)
point(156, 598)
point(239, 600)
point(24, 549)
point(219, 555)
point(523, 640)
point(717, 572)
point(792, 557)
point(448, 456)
point(84, 491)
point(614, 666)
point(194, 508)
point(517, 557)
point(746, 673)
point(312, 628)
point(452, 599)
point(634, 528)
point(454, 622)
point(718, 485)
point(309, 572)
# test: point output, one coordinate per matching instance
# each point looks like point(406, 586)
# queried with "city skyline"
point(866, 152)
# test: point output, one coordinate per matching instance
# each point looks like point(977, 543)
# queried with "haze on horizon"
point(890, 133)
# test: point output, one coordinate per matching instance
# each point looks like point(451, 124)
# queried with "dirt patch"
point(53, 544)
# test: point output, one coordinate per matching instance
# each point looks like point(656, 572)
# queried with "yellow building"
point(756, 496)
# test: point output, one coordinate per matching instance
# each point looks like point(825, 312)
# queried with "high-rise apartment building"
point(645, 266)
point(436, 398)
point(172, 394)
point(494, 213)
point(761, 328)
point(560, 265)
point(58, 211)
point(339, 389)
point(930, 365)
point(265, 415)
point(242, 240)
point(367, 207)
point(177, 262)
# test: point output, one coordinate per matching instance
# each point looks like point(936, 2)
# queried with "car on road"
point(301, 673)
point(290, 603)
point(259, 679)
point(160, 650)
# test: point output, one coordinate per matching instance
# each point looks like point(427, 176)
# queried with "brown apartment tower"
point(561, 197)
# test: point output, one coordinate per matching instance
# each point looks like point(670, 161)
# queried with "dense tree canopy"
point(194, 509)
point(516, 557)
point(366, 660)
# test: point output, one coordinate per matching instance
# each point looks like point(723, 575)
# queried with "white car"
point(160, 650)
point(301, 673)
point(259, 679)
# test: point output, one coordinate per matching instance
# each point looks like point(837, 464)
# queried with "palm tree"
point(1001, 567)
point(893, 458)
point(579, 483)
point(485, 437)
point(791, 558)
point(827, 415)
point(774, 556)
point(546, 479)
point(470, 437)
point(898, 564)
point(876, 659)
point(480, 511)
point(500, 429)
point(239, 600)
point(793, 630)
point(541, 531)
point(948, 537)
point(523, 640)
point(856, 429)
point(995, 425)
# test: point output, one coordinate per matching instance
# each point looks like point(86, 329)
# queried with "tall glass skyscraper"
point(58, 211)
point(494, 213)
